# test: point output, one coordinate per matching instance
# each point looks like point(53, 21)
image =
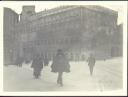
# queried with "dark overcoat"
point(91, 61)
point(60, 64)
point(37, 63)
point(19, 60)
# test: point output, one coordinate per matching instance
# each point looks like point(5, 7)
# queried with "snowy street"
point(107, 75)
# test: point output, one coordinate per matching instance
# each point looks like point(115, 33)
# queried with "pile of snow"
point(107, 75)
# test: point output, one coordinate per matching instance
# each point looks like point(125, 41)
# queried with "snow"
point(107, 76)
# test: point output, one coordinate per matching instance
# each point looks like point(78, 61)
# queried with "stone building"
point(11, 19)
point(78, 30)
point(117, 47)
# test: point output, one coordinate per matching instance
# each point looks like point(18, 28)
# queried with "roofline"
point(72, 7)
point(80, 6)
point(11, 10)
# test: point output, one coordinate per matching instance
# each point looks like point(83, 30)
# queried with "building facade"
point(78, 30)
point(11, 19)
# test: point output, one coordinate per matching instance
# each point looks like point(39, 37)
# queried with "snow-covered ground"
point(107, 76)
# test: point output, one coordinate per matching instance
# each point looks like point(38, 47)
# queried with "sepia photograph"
point(64, 47)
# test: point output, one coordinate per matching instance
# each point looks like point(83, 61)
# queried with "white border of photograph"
point(50, 4)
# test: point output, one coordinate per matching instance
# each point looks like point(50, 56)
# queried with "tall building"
point(77, 30)
point(11, 19)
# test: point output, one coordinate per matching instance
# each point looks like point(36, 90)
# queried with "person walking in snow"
point(91, 63)
point(60, 64)
point(37, 66)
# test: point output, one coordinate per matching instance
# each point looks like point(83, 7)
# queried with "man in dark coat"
point(60, 64)
point(91, 63)
point(37, 66)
